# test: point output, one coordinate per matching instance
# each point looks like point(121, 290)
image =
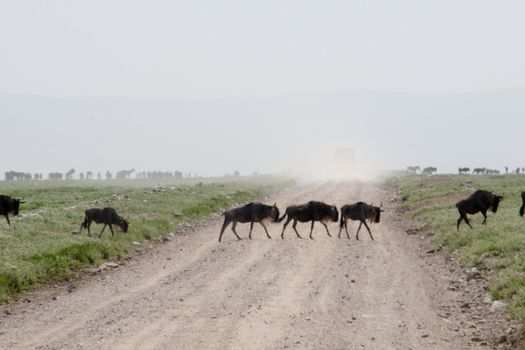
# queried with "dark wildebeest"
point(429, 170)
point(479, 171)
point(252, 213)
point(479, 201)
point(463, 170)
point(522, 209)
point(8, 206)
point(312, 211)
point(359, 212)
point(106, 216)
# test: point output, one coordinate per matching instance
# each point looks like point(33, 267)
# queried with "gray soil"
point(196, 293)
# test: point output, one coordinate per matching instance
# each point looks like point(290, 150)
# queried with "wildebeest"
point(479, 171)
point(463, 170)
point(359, 212)
point(8, 206)
point(312, 211)
point(124, 174)
point(413, 169)
point(252, 213)
point(429, 170)
point(106, 216)
point(479, 201)
point(522, 209)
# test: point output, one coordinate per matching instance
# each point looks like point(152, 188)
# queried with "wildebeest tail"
point(282, 217)
point(522, 210)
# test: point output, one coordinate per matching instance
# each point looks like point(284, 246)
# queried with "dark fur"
point(106, 216)
point(8, 206)
point(479, 201)
point(522, 209)
point(463, 170)
point(312, 211)
point(252, 213)
point(359, 212)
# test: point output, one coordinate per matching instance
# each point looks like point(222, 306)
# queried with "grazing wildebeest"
point(359, 212)
point(8, 206)
point(312, 211)
point(479, 171)
point(479, 201)
point(463, 170)
point(522, 209)
point(413, 169)
point(429, 170)
point(106, 216)
point(252, 213)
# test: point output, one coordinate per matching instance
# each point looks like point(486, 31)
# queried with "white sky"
point(186, 60)
point(258, 48)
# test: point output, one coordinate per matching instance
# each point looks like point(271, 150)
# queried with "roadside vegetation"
point(42, 245)
point(500, 245)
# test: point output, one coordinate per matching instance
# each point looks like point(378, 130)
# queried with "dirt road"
point(194, 293)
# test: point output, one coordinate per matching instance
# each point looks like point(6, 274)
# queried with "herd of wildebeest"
point(479, 202)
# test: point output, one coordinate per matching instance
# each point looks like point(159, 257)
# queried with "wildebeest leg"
point(484, 212)
point(235, 232)
point(346, 229)
point(312, 229)
point(369, 232)
point(295, 228)
point(326, 227)
point(284, 227)
point(111, 229)
point(103, 228)
point(265, 230)
point(226, 223)
point(359, 229)
point(341, 229)
point(89, 229)
point(251, 229)
point(7, 218)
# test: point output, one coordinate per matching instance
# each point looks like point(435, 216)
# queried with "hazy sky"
point(258, 48)
point(214, 86)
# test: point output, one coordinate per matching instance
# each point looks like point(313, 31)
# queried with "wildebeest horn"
point(381, 206)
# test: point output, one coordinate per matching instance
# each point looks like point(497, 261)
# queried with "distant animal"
point(55, 176)
point(8, 206)
point(252, 213)
point(312, 211)
point(413, 169)
point(479, 201)
point(69, 174)
point(89, 175)
point(362, 212)
point(429, 170)
point(522, 209)
point(106, 216)
point(479, 171)
point(124, 174)
point(463, 170)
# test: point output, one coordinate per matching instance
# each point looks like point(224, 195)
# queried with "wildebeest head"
point(124, 225)
point(334, 213)
point(376, 215)
point(495, 203)
point(16, 206)
point(274, 214)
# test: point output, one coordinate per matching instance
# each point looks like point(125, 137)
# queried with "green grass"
point(500, 244)
point(39, 247)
